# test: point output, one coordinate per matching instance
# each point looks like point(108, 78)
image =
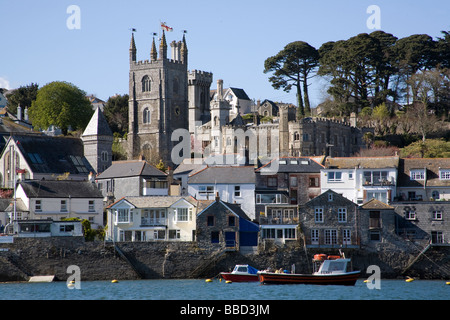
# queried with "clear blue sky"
point(229, 38)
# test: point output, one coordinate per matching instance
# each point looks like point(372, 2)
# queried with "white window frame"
point(318, 215)
point(417, 174)
point(334, 176)
point(342, 215)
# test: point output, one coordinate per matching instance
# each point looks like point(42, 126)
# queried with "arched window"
point(146, 116)
point(216, 121)
point(146, 84)
point(296, 136)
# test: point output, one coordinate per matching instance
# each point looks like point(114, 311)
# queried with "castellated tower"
point(199, 84)
point(158, 104)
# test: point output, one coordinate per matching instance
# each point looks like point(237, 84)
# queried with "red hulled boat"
point(241, 273)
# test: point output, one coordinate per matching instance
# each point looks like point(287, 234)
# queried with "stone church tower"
point(158, 105)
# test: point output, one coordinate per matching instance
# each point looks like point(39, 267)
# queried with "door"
point(230, 239)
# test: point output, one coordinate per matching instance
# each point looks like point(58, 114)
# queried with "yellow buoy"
point(228, 281)
point(366, 281)
point(114, 281)
point(208, 280)
point(448, 282)
point(409, 280)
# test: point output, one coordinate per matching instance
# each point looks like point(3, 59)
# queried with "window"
point(146, 84)
point(417, 174)
point(206, 190)
point(271, 198)
point(289, 233)
point(374, 220)
point(318, 215)
point(313, 182)
point(444, 174)
point(330, 197)
point(315, 236)
point(381, 196)
point(296, 136)
point(155, 183)
point(210, 221)
point(293, 181)
point(305, 137)
point(334, 176)
point(410, 215)
point(437, 237)
point(435, 195)
point(38, 206)
point(350, 175)
point(215, 237)
point(174, 234)
point(437, 215)
point(146, 116)
point(342, 214)
point(63, 206)
point(182, 214)
point(231, 221)
point(374, 177)
point(237, 191)
point(330, 236)
point(124, 216)
point(272, 182)
point(346, 236)
point(91, 206)
point(374, 235)
point(66, 228)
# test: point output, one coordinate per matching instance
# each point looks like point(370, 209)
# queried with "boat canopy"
point(246, 267)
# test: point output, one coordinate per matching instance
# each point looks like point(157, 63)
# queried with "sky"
point(86, 42)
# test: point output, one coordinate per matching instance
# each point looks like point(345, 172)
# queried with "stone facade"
point(158, 102)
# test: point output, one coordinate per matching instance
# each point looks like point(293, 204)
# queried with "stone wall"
point(181, 260)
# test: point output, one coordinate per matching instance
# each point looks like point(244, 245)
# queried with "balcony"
point(277, 220)
point(151, 222)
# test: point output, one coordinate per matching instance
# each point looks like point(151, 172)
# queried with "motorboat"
point(241, 273)
point(331, 270)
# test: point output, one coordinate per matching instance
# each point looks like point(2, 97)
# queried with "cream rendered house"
point(152, 218)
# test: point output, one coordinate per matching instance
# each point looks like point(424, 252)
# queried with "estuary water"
point(217, 290)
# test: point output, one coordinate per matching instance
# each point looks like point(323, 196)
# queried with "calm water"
point(201, 290)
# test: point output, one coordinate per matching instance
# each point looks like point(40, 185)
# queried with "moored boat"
point(332, 270)
point(241, 273)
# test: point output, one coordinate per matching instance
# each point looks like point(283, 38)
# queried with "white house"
point(163, 218)
point(55, 200)
point(233, 185)
point(360, 179)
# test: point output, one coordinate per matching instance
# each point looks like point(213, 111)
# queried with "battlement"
point(199, 77)
point(342, 122)
point(150, 62)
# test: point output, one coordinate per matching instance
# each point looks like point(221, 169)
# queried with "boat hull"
point(228, 276)
point(346, 279)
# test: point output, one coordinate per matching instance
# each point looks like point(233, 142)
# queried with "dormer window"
point(444, 174)
point(417, 174)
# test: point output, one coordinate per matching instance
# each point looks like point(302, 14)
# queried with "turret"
point(132, 49)
point(163, 47)
point(153, 52)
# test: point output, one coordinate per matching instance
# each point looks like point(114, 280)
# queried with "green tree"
point(61, 104)
point(430, 148)
point(22, 96)
point(116, 113)
point(293, 66)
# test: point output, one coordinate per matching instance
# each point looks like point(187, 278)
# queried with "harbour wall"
point(28, 257)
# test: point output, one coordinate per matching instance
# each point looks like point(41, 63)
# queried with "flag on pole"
point(165, 27)
point(133, 30)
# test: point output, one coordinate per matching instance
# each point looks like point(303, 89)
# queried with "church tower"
point(158, 104)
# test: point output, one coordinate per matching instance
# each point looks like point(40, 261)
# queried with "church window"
point(296, 136)
point(146, 84)
point(216, 121)
point(104, 156)
point(146, 116)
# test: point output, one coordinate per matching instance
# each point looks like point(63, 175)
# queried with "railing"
point(153, 222)
point(277, 220)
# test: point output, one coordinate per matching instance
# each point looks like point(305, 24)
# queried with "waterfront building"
point(152, 218)
point(58, 199)
point(132, 178)
point(234, 184)
point(360, 179)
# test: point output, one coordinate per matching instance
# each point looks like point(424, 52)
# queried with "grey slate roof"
point(56, 155)
point(225, 175)
point(432, 172)
point(98, 125)
point(60, 189)
point(362, 162)
point(293, 165)
point(130, 168)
